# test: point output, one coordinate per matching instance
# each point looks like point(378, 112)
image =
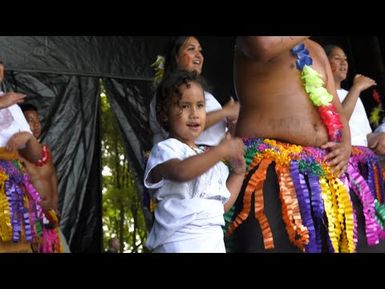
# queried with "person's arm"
point(360, 83)
point(11, 98)
point(234, 185)
point(32, 151)
point(192, 167)
point(53, 182)
point(265, 48)
point(229, 111)
point(376, 142)
point(235, 180)
point(339, 153)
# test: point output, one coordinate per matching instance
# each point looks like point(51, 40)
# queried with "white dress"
point(209, 137)
point(189, 215)
point(358, 123)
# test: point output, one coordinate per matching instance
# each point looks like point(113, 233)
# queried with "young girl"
point(185, 53)
point(191, 185)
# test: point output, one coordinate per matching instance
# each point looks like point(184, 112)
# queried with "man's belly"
point(299, 130)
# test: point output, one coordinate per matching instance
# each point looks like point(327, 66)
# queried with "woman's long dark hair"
point(171, 52)
point(329, 48)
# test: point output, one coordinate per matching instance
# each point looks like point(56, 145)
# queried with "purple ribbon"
point(361, 189)
point(16, 187)
point(304, 205)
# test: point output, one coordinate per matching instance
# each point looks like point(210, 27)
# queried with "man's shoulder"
point(316, 50)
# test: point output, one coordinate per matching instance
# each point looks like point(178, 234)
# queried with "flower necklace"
point(319, 96)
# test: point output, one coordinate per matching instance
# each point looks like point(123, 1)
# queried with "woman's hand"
point(11, 98)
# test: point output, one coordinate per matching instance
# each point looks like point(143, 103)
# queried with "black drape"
point(108, 56)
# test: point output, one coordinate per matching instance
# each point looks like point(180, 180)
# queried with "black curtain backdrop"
point(60, 75)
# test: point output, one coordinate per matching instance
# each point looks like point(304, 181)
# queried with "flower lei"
point(319, 96)
point(158, 66)
point(44, 158)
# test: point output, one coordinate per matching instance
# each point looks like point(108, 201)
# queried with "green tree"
point(122, 211)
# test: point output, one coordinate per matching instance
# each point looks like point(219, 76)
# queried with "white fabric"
point(207, 239)
point(189, 215)
point(381, 127)
point(12, 120)
point(213, 135)
point(359, 123)
point(209, 137)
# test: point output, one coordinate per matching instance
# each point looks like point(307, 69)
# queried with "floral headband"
point(158, 66)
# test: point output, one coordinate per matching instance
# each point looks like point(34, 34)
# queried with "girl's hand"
point(17, 140)
point(233, 147)
point(232, 110)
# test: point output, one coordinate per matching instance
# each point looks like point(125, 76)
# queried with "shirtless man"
point(275, 106)
point(274, 103)
point(43, 178)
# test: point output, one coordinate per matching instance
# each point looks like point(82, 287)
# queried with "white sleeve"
point(381, 127)
point(160, 153)
point(342, 93)
point(212, 104)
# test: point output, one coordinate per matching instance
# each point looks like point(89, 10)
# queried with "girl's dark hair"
point(170, 87)
point(171, 52)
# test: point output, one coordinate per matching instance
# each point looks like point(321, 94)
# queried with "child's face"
point(187, 118)
point(33, 120)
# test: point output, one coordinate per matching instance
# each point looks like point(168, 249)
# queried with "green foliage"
point(122, 211)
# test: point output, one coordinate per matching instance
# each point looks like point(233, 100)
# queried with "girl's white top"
point(189, 215)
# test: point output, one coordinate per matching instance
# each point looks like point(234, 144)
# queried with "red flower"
point(376, 96)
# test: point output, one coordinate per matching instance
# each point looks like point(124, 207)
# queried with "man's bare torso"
point(273, 101)
point(41, 180)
